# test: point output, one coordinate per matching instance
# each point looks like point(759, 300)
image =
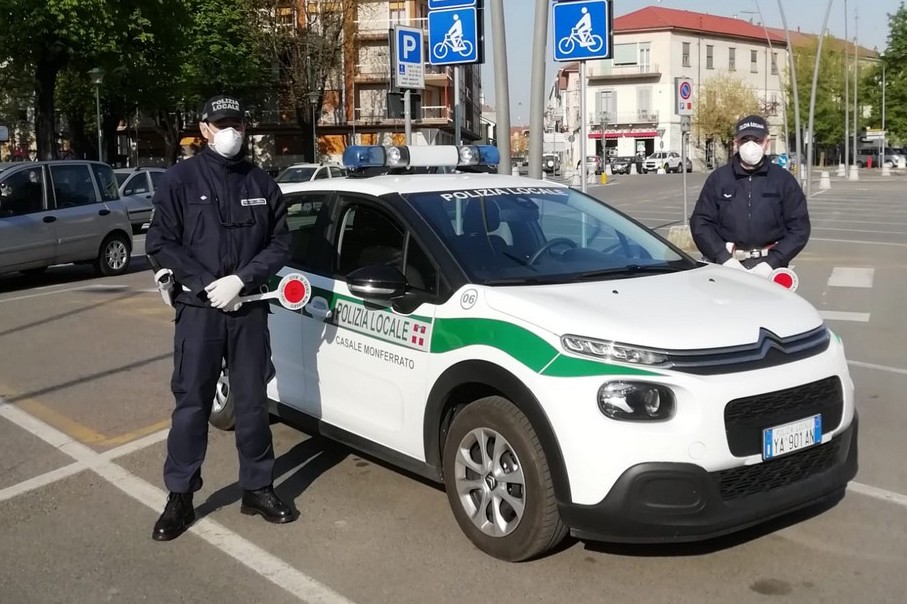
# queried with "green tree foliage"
point(893, 60)
point(828, 122)
point(720, 102)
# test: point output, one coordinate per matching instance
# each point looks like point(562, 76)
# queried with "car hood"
point(706, 307)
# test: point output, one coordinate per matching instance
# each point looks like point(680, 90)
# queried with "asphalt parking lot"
point(84, 383)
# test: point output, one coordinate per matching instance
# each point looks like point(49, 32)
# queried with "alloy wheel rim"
point(221, 393)
point(116, 255)
point(490, 483)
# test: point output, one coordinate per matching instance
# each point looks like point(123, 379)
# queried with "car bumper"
point(663, 502)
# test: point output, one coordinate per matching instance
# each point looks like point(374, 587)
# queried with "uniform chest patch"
point(254, 201)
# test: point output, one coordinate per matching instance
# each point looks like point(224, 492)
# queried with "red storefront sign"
point(611, 134)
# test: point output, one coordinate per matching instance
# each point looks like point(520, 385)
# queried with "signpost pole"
point(456, 105)
point(407, 117)
point(583, 119)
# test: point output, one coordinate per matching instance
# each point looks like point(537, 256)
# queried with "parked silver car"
point(56, 212)
point(137, 187)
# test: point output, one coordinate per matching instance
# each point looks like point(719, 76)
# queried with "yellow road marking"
point(79, 432)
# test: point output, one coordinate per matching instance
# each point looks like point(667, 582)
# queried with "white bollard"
point(544, 175)
point(576, 180)
point(633, 168)
point(608, 170)
point(842, 171)
point(514, 171)
point(824, 182)
point(661, 170)
point(854, 173)
point(886, 170)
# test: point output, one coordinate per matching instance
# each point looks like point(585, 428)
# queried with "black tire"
point(539, 528)
point(114, 255)
point(223, 416)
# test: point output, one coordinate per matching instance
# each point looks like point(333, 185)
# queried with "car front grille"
point(777, 473)
point(746, 418)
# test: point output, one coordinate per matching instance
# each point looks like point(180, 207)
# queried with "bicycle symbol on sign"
point(453, 40)
point(581, 34)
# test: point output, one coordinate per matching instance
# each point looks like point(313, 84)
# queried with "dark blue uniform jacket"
point(751, 210)
point(215, 217)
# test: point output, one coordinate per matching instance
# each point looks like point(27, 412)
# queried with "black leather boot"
point(178, 515)
point(266, 503)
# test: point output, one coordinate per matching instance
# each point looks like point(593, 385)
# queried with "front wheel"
point(498, 482)
point(440, 50)
point(566, 45)
point(114, 255)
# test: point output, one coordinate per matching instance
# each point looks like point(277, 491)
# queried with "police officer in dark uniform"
point(220, 225)
point(751, 214)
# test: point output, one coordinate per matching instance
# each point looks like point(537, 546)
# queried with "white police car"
point(558, 366)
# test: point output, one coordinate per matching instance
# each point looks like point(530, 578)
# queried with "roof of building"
point(799, 38)
point(656, 18)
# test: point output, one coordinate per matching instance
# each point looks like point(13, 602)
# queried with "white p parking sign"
point(409, 71)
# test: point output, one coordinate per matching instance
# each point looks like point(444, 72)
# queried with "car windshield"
point(296, 174)
point(517, 236)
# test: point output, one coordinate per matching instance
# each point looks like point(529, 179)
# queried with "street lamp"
point(97, 76)
point(313, 99)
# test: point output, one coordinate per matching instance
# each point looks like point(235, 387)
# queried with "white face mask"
point(751, 153)
point(227, 142)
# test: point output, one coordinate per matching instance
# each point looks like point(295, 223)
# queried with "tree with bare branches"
point(721, 101)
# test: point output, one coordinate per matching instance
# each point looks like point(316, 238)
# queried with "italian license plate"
point(795, 436)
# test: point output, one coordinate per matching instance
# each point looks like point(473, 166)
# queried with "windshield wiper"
point(527, 280)
point(631, 269)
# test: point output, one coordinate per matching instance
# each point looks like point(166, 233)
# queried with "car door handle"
point(49, 218)
point(319, 311)
point(103, 212)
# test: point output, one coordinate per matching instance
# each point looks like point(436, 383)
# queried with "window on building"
point(732, 59)
point(709, 56)
point(686, 54)
point(625, 54)
point(397, 12)
point(774, 63)
point(754, 61)
point(645, 52)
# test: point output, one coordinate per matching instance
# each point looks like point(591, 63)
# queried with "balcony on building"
point(604, 71)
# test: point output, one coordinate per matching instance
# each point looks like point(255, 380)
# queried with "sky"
point(869, 17)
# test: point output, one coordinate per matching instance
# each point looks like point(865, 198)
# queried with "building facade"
point(630, 98)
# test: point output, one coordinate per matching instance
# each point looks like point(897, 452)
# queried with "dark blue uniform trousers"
point(205, 336)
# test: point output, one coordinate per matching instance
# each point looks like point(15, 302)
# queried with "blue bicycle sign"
point(454, 41)
point(582, 30)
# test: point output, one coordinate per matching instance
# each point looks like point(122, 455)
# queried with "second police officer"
point(220, 225)
point(751, 214)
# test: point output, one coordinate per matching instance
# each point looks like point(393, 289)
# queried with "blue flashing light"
point(358, 157)
point(364, 156)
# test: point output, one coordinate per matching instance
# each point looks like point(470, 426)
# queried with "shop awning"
point(611, 134)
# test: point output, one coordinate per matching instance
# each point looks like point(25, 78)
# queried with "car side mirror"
point(377, 282)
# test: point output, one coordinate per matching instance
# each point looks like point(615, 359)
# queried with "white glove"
point(733, 263)
point(763, 269)
point(224, 291)
point(233, 306)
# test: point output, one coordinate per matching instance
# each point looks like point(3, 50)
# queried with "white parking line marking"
point(42, 480)
point(858, 241)
point(879, 367)
point(47, 293)
point(840, 315)
point(272, 568)
point(842, 276)
point(876, 493)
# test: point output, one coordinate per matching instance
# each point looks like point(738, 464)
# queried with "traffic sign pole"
point(583, 127)
point(456, 107)
point(407, 117)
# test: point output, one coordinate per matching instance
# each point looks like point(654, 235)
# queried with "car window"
point(321, 174)
point(303, 209)
point(538, 234)
point(155, 178)
point(368, 236)
point(73, 185)
point(300, 174)
point(21, 193)
point(337, 172)
point(137, 184)
point(107, 182)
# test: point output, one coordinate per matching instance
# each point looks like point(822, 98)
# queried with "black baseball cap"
point(222, 107)
point(751, 125)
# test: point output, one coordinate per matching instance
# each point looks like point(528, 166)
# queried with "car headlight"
point(613, 351)
point(636, 401)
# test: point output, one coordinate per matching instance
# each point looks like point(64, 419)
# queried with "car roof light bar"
point(361, 157)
